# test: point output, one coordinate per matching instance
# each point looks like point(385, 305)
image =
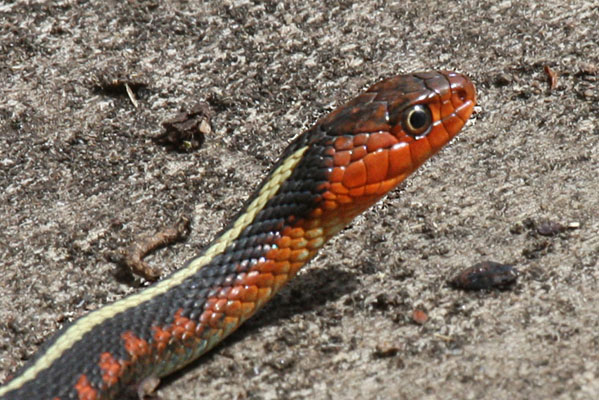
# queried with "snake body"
point(326, 177)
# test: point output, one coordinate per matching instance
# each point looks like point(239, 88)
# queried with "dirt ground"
point(81, 177)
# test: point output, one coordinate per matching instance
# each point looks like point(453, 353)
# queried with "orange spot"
point(135, 346)
point(380, 140)
point(220, 305)
point(358, 153)
point(342, 158)
point(84, 389)
point(111, 369)
point(400, 160)
point(355, 175)
point(344, 143)
point(377, 164)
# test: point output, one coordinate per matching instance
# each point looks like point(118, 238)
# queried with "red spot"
point(84, 389)
point(135, 346)
point(111, 369)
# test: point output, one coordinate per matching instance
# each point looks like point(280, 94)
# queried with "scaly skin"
point(327, 176)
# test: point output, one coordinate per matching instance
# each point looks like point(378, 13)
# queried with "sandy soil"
point(81, 176)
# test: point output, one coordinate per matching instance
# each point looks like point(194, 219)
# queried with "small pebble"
point(485, 275)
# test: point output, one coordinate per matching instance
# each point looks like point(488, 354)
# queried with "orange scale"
point(224, 292)
point(278, 254)
point(314, 233)
point(263, 295)
point(210, 302)
point(220, 305)
point(247, 308)
point(280, 280)
point(215, 320)
point(295, 267)
point(464, 112)
point(342, 158)
point(284, 241)
point(438, 137)
point(329, 151)
point(266, 266)
point(231, 321)
point(312, 224)
point(258, 279)
point(233, 308)
point(435, 108)
point(178, 332)
point(358, 153)
point(315, 244)
point(372, 189)
point(299, 255)
point(344, 143)
point(339, 188)
point(345, 199)
point(329, 196)
point(355, 175)
point(317, 212)
point(361, 139)
point(205, 317)
point(336, 174)
point(377, 165)
point(357, 192)
point(388, 185)
point(446, 108)
point(400, 160)
point(452, 123)
point(420, 150)
point(380, 140)
point(298, 243)
point(294, 232)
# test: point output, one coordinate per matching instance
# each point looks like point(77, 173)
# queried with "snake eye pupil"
point(417, 120)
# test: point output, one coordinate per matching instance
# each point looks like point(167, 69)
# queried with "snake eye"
point(417, 120)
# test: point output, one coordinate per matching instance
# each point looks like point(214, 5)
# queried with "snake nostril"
point(462, 95)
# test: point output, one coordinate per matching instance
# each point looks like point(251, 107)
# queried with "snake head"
point(375, 141)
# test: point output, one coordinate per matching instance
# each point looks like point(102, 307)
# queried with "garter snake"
point(327, 176)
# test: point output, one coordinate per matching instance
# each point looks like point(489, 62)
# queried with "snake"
point(326, 177)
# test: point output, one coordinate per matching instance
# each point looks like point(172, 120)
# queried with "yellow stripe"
point(83, 325)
